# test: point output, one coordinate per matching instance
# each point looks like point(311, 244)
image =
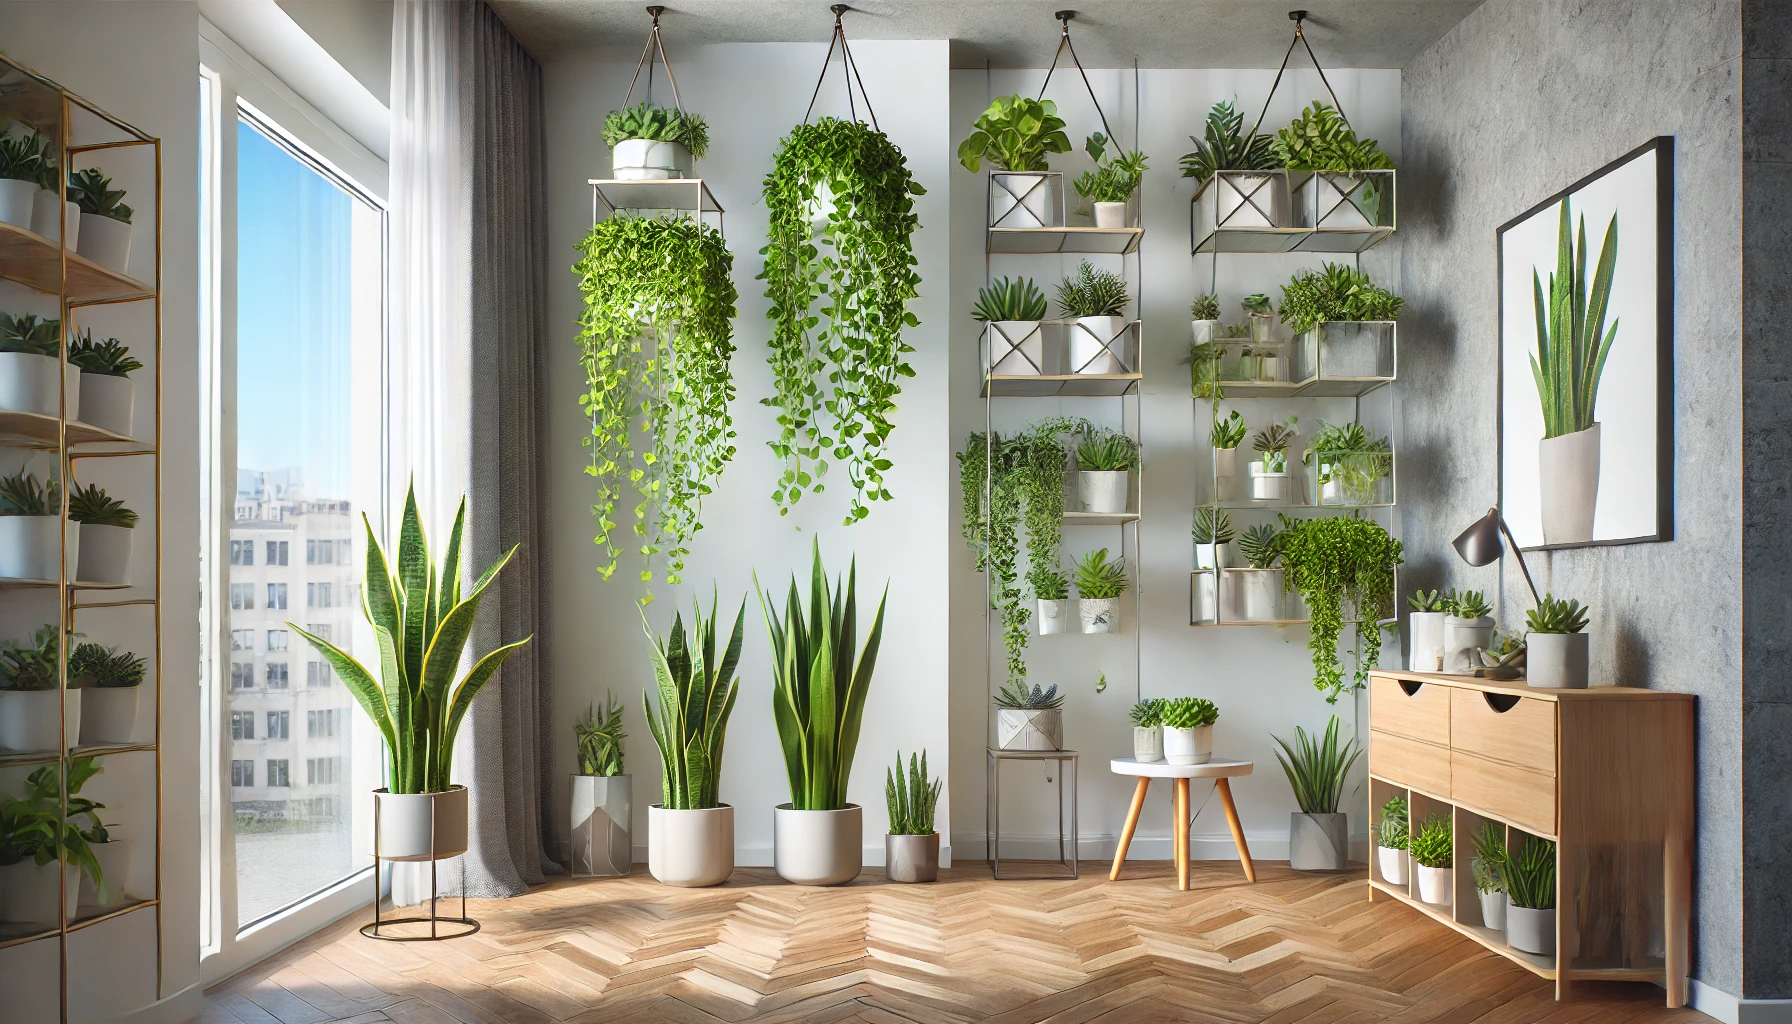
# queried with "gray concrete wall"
point(1516, 103)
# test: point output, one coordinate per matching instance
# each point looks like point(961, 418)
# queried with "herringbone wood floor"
point(1290, 948)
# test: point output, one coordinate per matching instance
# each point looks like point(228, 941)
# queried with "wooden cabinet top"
point(1517, 687)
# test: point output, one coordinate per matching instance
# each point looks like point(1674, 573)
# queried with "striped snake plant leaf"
point(1573, 342)
point(696, 694)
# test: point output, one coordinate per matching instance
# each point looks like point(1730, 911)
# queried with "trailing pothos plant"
point(838, 304)
point(1330, 561)
point(656, 340)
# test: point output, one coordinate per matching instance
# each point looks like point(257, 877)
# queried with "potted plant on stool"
point(1391, 840)
point(912, 847)
point(1318, 834)
point(1029, 719)
point(1148, 730)
point(1489, 867)
point(1188, 730)
point(602, 796)
point(1557, 649)
point(1433, 850)
point(1531, 887)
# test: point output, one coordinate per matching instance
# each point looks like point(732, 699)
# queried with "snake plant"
point(1572, 341)
point(696, 694)
point(1317, 768)
point(911, 801)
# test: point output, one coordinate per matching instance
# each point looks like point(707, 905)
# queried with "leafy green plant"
point(1010, 299)
point(1432, 846)
point(423, 622)
point(861, 272)
point(1189, 712)
point(911, 801)
point(1553, 616)
point(1332, 560)
point(1227, 432)
point(43, 826)
point(818, 694)
point(1049, 584)
point(1321, 140)
point(1391, 831)
point(1423, 602)
point(1212, 526)
point(1205, 307)
point(696, 695)
point(21, 156)
point(1339, 292)
point(92, 191)
point(1318, 767)
point(1106, 451)
point(1015, 696)
point(1256, 304)
point(657, 124)
point(1015, 134)
point(1469, 605)
point(1114, 177)
point(22, 494)
point(599, 739)
point(92, 506)
point(1092, 292)
point(1261, 545)
point(1531, 874)
point(1489, 863)
point(1147, 713)
point(1098, 579)
point(1572, 341)
point(110, 357)
point(31, 665)
point(1205, 357)
point(104, 667)
point(1227, 148)
point(24, 332)
point(1347, 455)
point(1271, 445)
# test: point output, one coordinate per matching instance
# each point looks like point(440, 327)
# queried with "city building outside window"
point(276, 675)
point(242, 597)
point(277, 596)
point(242, 552)
point(242, 639)
point(242, 773)
point(277, 553)
point(278, 725)
point(242, 725)
point(277, 772)
point(277, 639)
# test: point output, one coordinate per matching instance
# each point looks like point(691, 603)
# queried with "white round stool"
point(1219, 770)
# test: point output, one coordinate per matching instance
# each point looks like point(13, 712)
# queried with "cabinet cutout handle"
point(1500, 702)
point(1411, 688)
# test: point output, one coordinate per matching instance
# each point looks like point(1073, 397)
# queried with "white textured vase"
point(602, 808)
point(109, 713)
point(1392, 861)
point(1533, 931)
point(647, 160)
point(1461, 639)
point(105, 554)
point(1568, 483)
point(1018, 200)
point(30, 720)
point(108, 402)
point(1097, 343)
point(1029, 728)
point(106, 241)
point(1110, 215)
point(1099, 615)
point(1425, 638)
point(17, 198)
point(1493, 910)
point(1434, 884)
point(28, 893)
point(690, 848)
point(405, 818)
point(1319, 841)
point(1188, 746)
point(1054, 616)
point(818, 847)
point(1102, 490)
point(28, 383)
point(1556, 660)
point(1148, 743)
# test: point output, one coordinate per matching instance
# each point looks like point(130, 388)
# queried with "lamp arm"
point(1538, 601)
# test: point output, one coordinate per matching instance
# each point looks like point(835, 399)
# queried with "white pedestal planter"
point(1392, 861)
point(818, 847)
point(28, 383)
point(1014, 348)
point(1099, 615)
point(1425, 636)
point(1030, 728)
point(1098, 344)
point(105, 554)
point(1318, 842)
point(115, 869)
point(1110, 215)
point(1533, 931)
point(1262, 594)
point(1556, 659)
point(692, 848)
point(1568, 480)
point(405, 819)
point(1434, 884)
point(47, 211)
point(108, 402)
point(28, 893)
point(602, 808)
point(646, 160)
point(28, 546)
point(1493, 910)
point(106, 241)
point(1188, 746)
point(30, 720)
point(1054, 616)
point(1148, 743)
point(912, 858)
point(1267, 485)
point(109, 713)
point(17, 199)
point(1461, 638)
point(1022, 200)
point(1102, 490)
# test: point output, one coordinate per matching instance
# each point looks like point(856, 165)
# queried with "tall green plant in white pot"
point(1015, 135)
point(422, 620)
point(602, 796)
point(1317, 769)
point(1572, 346)
point(1531, 887)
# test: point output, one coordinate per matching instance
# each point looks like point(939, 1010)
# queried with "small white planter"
point(1225, 463)
point(1262, 594)
point(1392, 861)
point(404, 818)
point(1425, 635)
point(1267, 205)
point(17, 199)
point(28, 893)
point(1099, 615)
point(602, 808)
point(818, 847)
point(28, 383)
point(1102, 490)
point(1213, 556)
point(105, 554)
point(1556, 660)
point(1267, 485)
point(1188, 746)
point(1318, 842)
point(1533, 931)
point(47, 211)
point(1203, 331)
point(106, 241)
point(1148, 743)
point(1461, 638)
point(1098, 343)
point(1568, 482)
point(646, 160)
point(28, 546)
point(912, 858)
point(115, 871)
point(1054, 616)
point(690, 848)
point(1493, 910)
point(1022, 200)
point(107, 402)
point(1434, 884)
point(1029, 728)
point(109, 713)
point(30, 720)
point(1014, 348)
point(1110, 215)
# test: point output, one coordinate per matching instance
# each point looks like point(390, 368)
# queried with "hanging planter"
point(649, 143)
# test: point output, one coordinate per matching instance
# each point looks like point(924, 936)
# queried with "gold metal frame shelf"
point(33, 260)
point(37, 430)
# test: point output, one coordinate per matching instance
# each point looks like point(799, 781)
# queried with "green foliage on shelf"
point(696, 694)
point(1391, 830)
point(1114, 177)
point(1321, 140)
point(1092, 292)
point(599, 739)
point(1015, 134)
point(657, 124)
point(1256, 304)
point(913, 800)
point(44, 825)
point(1432, 845)
point(1147, 713)
point(1049, 584)
point(1205, 307)
point(1347, 455)
point(1261, 545)
point(656, 340)
point(92, 506)
point(1108, 451)
point(1317, 767)
point(1204, 357)
point(22, 156)
point(1098, 579)
point(1271, 445)
point(31, 665)
point(24, 332)
point(1489, 863)
point(1227, 431)
point(1339, 292)
point(1330, 561)
point(1469, 604)
point(1226, 147)
point(1010, 299)
point(1531, 874)
point(1553, 616)
point(110, 357)
point(838, 305)
point(1212, 526)
point(92, 191)
point(1189, 712)
point(1572, 341)
point(1420, 601)
point(91, 665)
point(1015, 696)
point(22, 494)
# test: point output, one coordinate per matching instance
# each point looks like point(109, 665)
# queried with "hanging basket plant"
point(839, 271)
point(1332, 563)
point(656, 340)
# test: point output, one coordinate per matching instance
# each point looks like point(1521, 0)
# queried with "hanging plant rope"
point(1300, 39)
point(1064, 43)
point(838, 301)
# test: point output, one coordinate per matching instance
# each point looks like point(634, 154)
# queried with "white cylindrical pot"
point(1425, 639)
point(28, 893)
point(28, 546)
point(1262, 594)
point(912, 858)
point(1188, 746)
point(1533, 931)
point(115, 869)
point(1568, 482)
point(1014, 348)
point(28, 383)
point(1434, 884)
point(1556, 660)
point(1225, 463)
point(1203, 330)
point(1213, 556)
point(1054, 616)
point(1493, 910)
point(1029, 728)
point(105, 554)
point(602, 808)
point(1148, 743)
point(647, 160)
point(106, 241)
point(404, 832)
point(47, 211)
point(1205, 596)
point(30, 720)
point(821, 208)
point(1099, 615)
point(1110, 215)
point(1318, 842)
point(818, 847)
point(1097, 343)
point(1022, 200)
point(17, 200)
point(690, 848)
point(1252, 201)
point(109, 713)
point(1392, 861)
point(1267, 485)
point(1102, 490)
point(1461, 639)
point(107, 402)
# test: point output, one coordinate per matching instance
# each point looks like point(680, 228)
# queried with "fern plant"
point(599, 739)
point(1049, 584)
point(912, 801)
point(104, 667)
point(31, 665)
point(1092, 292)
point(1010, 299)
point(1212, 526)
point(1147, 713)
point(110, 357)
point(1098, 579)
point(1339, 292)
point(92, 506)
point(1572, 340)
point(1224, 146)
point(657, 124)
point(1259, 545)
point(92, 191)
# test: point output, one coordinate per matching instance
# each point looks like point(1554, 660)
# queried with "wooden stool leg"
point(1244, 849)
point(1132, 824)
point(1182, 834)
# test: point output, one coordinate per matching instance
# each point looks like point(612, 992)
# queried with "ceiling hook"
point(1298, 17)
point(656, 10)
point(839, 9)
point(1065, 16)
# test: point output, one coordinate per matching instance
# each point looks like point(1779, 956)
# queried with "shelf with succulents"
point(654, 149)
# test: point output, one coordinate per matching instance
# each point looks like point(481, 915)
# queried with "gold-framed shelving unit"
point(101, 959)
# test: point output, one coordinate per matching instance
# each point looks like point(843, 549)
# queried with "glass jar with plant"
point(912, 846)
point(107, 395)
point(1099, 584)
point(1029, 719)
point(1391, 839)
point(1489, 868)
point(1014, 135)
point(1148, 730)
point(1556, 644)
point(1433, 850)
point(603, 796)
point(1104, 461)
point(1334, 562)
point(1221, 164)
point(31, 371)
point(31, 531)
point(1012, 310)
point(1095, 300)
point(1531, 891)
point(649, 143)
point(37, 839)
point(31, 705)
point(1188, 729)
point(107, 527)
point(1468, 627)
point(1110, 186)
point(1425, 631)
point(1317, 769)
point(105, 236)
point(1349, 467)
point(1261, 318)
point(110, 682)
point(1261, 580)
point(21, 162)
point(1345, 322)
point(1339, 194)
point(1269, 471)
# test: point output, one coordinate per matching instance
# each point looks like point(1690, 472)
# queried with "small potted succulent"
point(1029, 719)
point(1188, 729)
point(21, 163)
point(1349, 467)
point(912, 846)
point(603, 797)
point(110, 682)
point(1204, 318)
point(31, 528)
point(1434, 852)
point(1226, 434)
point(649, 143)
point(1556, 645)
point(1338, 194)
point(108, 397)
point(1052, 589)
point(32, 375)
point(105, 220)
point(1489, 867)
point(107, 527)
point(1391, 840)
point(1227, 193)
point(1110, 186)
point(1425, 631)
point(1213, 535)
point(1317, 768)
point(1468, 627)
point(1531, 892)
point(1012, 311)
point(1148, 730)
point(1014, 135)
point(1504, 658)
point(1099, 584)
point(31, 707)
point(1095, 301)
point(1263, 580)
point(1269, 470)
point(1104, 462)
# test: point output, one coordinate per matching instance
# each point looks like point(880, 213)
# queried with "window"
point(277, 553)
point(278, 722)
point(277, 596)
point(277, 639)
point(326, 552)
point(276, 677)
point(322, 771)
point(242, 552)
point(242, 773)
point(242, 639)
point(321, 724)
point(318, 673)
point(317, 595)
point(277, 772)
point(242, 725)
point(242, 675)
point(321, 630)
point(242, 597)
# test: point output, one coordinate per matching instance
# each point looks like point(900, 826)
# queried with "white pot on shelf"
point(1461, 638)
point(1021, 200)
point(1556, 660)
point(1188, 746)
point(107, 402)
point(28, 383)
point(818, 847)
point(647, 160)
point(28, 893)
point(1029, 728)
point(109, 713)
point(1493, 910)
point(47, 210)
point(1148, 743)
point(1425, 637)
point(1392, 861)
point(1014, 348)
point(105, 554)
point(17, 200)
point(1097, 344)
point(28, 546)
point(1225, 463)
point(405, 818)
point(1322, 200)
point(690, 848)
point(1110, 215)
point(1213, 556)
point(1251, 200)
point(1102, 490)
point(1267, 484)
point(1533, 931)
point(1099, 615)
point(1434, 884)
point(106, 241)
point(30, 720)
point(1054, 616)
point(114, 858)
point(1262, 594)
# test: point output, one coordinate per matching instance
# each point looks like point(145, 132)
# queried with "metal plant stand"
point(467, 925)
point(992, 833)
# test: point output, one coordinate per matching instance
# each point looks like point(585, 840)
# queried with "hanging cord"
point(1300, 36)
point(849, 69)
point(654, 43)
point(1064, 43)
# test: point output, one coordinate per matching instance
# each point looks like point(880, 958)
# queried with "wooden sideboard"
point(1605, 772)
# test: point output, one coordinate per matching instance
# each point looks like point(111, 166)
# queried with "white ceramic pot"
point(602, 809)
point(28, 383)
point(1022, 200)
point(105, 554)
point(1318, 842)
point(1110, 215)
point(1252, 201)
point(912, 858)
point(818, 847)
point(115, 871)
point(106, 241)
point(1203, 330)
point(17, 199)
point(1054, 617)
point(404, 832)
point(1099, 615)
point(1533, 931)
point(1556, 660)
point(28, 546)
point(1568, 480)
point(1102, 490)
point(1014, 348)
point(1493, 910)
point(1188, 746)
point(107, 402)
point(28, 893)
point(1392, 861)
point(646, 160)
point(47, 210)
point(1434, 884)
point(1262, 594)
point(690, 848)
point(1097, 344)
point(1213, 556)
point(1266, 485)
point(1225, 463)
point(1029, 728)
point(1148, 743)
point(30, 719)
point(109, 713)
point(1461, 639)
point(1425, 639)
point(1322, 202)
point(1205, 597)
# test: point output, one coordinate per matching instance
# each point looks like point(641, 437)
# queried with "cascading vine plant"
point(656, 341)
point(1329, 561)
point(837, 366)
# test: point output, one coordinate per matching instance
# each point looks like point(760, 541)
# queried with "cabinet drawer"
point(1423, 714)
point(1523, 734)
point(1517, 795)
point(1423, 766)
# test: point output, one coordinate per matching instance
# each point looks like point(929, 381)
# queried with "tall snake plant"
point(1572, 341)
point(696, 697)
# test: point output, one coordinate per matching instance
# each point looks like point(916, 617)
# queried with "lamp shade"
point(1480, 543)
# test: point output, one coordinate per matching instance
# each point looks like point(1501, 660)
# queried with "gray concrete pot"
point(1318, 842)
point(912, 858)
point(1030, 728)
point(602, 808)
point(1148, 743)
point(818, 847)
point(1556, 660)
point(1493, 910)
point(1533, 931)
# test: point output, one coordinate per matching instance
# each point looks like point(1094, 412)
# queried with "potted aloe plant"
point(1433, 851)
point(110, 682)
point(1531, 889)
point(1188, 729)
point(1148, 730)
point(1012, 312)
point(1014, 135)
point(1489, 868)
point(1269, 470)
point(1468, 627)
point(1338, 194)
point(106, 530)
point(603, 797)
point(31, 706)
point(690, 832)
point(1104, 462)
point(1204, 318)
point(1226, 434)
point(21, 163)
point(1099, 584)
point(1095, 301)
point(31, 528)
point(31, 368)
point(1344, 322)
point(1317, 768)
point(1110, 186)
point(105, 220)
point(912, 846)
point(1556, 646)
point(1051, 588)
point(1029, 719)
point(107, 395)
point(1262, 582)
point(1238, 180)
point(649, 143)
point(1425, 631)
point(1391, 840)
point(39, 839)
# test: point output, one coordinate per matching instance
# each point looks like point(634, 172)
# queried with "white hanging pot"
point(106, 241)
point(1029, 728)
point(17, 200)
point(690, 848)
point(1556, 660)
point(404, 831)
point(105, 554)
point(1568, 481)
point(1019, 200)
point(1262, 594)
point(1425, 635)
point(821, 208)
point(1323, 203)
point(1461, 638)
point(1493, 910)
point(647, 160)
point(114, 858)
point(1533, 931)
point(818, 847)
point(28, 546)
point(1110, 215)
point(30, 720)
point(1392, 861)
point(1434, 884)
point(47, 210)
point(28, 893)
point(28, 383)
point(1267, 485)
point(1318, 842)
point(1093, 344)
point(1188, 746)
point(602, 807)
point(108, 402)
point(109, 713)
point(1054, 616)
point(1148, 743)
point(1099, 615)
point(1102, 490)
point(1014, 348)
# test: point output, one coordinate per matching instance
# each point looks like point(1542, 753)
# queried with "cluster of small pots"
point(1440, 642)
point(96, 553)
point(1532, 931)
point(31, 720)
point(104, 240)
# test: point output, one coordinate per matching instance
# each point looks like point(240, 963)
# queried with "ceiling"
point(1016, 33)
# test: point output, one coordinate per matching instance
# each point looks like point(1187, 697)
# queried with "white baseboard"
point(759, 855)
point(1709, 999)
